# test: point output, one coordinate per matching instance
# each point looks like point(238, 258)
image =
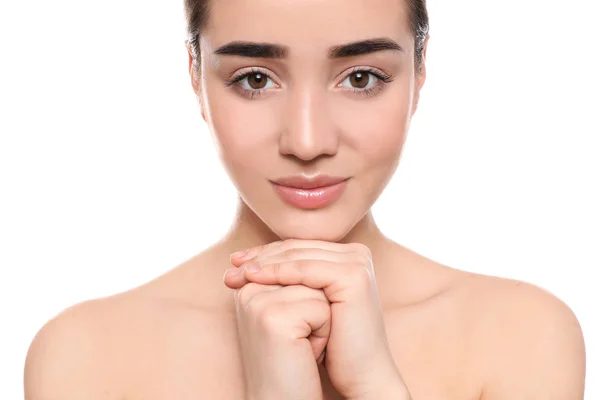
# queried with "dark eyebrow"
point(252, 49)
point(363, 47)
point(272, 50)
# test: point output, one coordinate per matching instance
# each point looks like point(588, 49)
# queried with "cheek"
point(377, 129)
point(243, 130)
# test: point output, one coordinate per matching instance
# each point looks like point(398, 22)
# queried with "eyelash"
point(382, 79)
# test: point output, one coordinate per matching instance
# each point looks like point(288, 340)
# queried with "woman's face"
point(308, 98)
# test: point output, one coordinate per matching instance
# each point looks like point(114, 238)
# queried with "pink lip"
point(318, 192)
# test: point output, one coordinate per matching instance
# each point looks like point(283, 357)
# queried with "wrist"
point(387, 386)
point(389, 393)
point(395, 391)
point(392, 392)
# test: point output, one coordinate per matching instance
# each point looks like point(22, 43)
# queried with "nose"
point(308, 131)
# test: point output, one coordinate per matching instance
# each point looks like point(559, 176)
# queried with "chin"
point(329, 224)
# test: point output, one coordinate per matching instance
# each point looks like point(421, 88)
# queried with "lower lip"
point(310, 199)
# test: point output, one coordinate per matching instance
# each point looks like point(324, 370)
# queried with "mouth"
point(310, 193)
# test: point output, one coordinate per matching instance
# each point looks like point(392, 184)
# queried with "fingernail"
point(232, 272)
point(252, 267)
point(239, 254)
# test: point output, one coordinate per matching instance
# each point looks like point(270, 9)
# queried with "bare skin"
point(452, 334)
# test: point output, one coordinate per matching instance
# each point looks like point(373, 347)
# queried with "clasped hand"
point(302, 302)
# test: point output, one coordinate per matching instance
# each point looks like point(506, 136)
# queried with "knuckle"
point(363, 249)
point(255, 307)
point(244, 293)
point(290, 253)
point(284, 272)
point(301, 267)
point(305, 292)
point(323, 307)
point(261, 297)
point(256, 251)
point(260, 250)
point(272, 317)
point(275, 269)
point(360, 275)
point(251, 292)
point(322, 296)
point(289, 244)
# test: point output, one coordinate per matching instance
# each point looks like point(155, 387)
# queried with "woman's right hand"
point(283, 332)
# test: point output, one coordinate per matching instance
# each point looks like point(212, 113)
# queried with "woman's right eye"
point(253, 81)
point(257, 80)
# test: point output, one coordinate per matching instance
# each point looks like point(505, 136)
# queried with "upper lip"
point(304, 182)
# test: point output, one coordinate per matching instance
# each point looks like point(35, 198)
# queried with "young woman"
point(310, 104)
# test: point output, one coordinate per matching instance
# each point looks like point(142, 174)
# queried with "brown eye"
point(257, 80)
point(359, 79)
point(252, 83)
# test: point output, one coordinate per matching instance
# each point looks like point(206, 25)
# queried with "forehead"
point(307, 25)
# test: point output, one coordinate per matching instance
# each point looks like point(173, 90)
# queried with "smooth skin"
point(338, 310)
point(358, 359)
point(452, 334)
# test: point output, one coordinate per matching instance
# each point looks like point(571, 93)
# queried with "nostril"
point(307, 146)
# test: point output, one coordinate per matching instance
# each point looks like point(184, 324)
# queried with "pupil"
point(360, 80)
point(256, 81)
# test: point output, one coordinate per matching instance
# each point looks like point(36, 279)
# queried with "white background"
point(108, 175)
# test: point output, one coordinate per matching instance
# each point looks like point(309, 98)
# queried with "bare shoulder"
point(89, 350)
point(67, 359)
point(531, 341)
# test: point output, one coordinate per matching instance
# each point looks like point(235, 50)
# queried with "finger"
point(234, 277)
point(340, 282)
point(305, 253)
point(253, 251)
point(269, 294)
point(246, 293)
point(308, 318)
point(298, 311)
point(312, 317)
point(316, 314)
point(294, 293)
point(264, 251)
point(321, 358)
point(275, 247)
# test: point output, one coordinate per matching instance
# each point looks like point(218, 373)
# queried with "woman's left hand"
point(358, 357)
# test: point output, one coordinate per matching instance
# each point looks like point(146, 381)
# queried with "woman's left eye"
point(365, 82)
point(361, 80)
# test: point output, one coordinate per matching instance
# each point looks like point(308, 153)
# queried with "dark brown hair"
point(197, 12)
